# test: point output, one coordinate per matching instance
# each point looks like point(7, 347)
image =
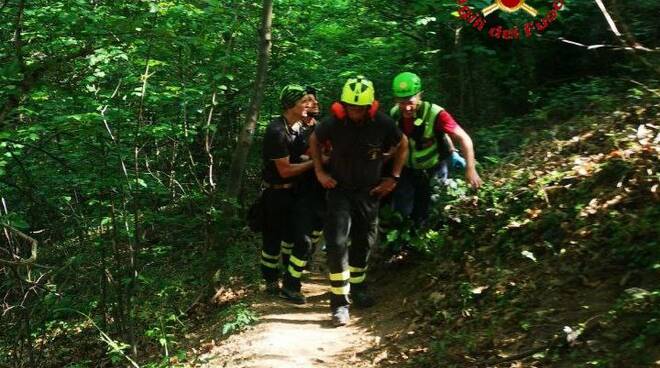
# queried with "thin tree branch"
point(208, 142)
point(627, 39)
point(644, 86)
point(18, 32)
point(245, 140)
point(609, 47)
point(33, 249)
point(608, 18)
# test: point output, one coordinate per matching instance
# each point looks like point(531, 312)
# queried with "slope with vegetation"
point(120, 238)
point(555, 263)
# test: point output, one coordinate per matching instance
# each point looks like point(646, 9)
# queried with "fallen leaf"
point(572, 335)
point(479, 290)
point(528, 254)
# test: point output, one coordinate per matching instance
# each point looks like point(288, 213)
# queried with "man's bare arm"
point(468, 151)
point(317, 157)
point(448, 142)
point(400, 156)
point(286, 169)
point(388, 183)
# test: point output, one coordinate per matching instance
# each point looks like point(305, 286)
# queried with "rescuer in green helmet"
point(280, 171)
point(430, 151)
point(307, 211)
point(359, 136)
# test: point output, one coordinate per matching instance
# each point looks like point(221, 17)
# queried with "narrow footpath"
point(301, 336)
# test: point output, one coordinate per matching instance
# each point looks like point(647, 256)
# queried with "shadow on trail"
point(290, 335)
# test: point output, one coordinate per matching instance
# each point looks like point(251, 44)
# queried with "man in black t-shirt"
point(308, 209)
point(279, 173)
point(359, 135)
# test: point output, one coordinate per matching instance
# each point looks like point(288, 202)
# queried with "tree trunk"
point(245, 140)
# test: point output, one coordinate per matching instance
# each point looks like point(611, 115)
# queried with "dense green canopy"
point(119, 119)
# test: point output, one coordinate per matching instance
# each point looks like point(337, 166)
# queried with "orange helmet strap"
point(337, 109)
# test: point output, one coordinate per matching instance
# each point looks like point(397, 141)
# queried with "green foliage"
point(552, 106)
point(561, 234)
point(238, 316)
point(118, 121)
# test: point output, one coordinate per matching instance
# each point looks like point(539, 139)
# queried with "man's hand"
point(473, 178)
point(385, 187)
point(326, 180)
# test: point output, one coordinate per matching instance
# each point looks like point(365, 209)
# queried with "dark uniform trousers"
point(308, 212)
point(412, 196)
point(351, 214)
point(276, 232)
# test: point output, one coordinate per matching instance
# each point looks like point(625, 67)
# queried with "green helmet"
point(291, 94)
point(406, 84)
point(358, 91)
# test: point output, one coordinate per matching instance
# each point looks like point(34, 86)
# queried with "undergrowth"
point(555, 261)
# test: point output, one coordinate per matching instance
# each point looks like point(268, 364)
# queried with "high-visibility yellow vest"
point(423, 154)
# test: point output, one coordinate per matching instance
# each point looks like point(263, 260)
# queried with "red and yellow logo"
point(509, 6)
point(479, 19)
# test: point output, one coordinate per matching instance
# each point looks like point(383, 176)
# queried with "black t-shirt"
point(278, 143)
point(357, 149)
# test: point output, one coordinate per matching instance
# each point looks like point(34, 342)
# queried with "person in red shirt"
point(427, 126)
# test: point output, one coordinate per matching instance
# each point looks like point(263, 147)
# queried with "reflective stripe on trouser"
point(339, 284)
point(351, 216)
point(296, 266)
point(358, 274)
point(306, 211)
point(277, 205)
point(270, 260)
point(287, 249)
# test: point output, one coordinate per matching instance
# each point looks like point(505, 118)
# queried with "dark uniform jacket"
point(357, 149)
point(278, 143)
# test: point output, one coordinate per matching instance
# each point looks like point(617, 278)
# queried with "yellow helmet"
point(358, 91)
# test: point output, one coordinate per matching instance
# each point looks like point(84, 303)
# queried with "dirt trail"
point(302, 336)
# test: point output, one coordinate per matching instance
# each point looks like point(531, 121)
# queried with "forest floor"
point(288, 335)
point(557, 265)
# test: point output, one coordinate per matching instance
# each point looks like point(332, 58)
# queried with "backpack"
point(255, 214)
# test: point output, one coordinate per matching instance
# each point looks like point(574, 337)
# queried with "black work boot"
point(273, 287)
point(340, 316)
point(291, 289)
point(361, 297)
point(293, 296)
